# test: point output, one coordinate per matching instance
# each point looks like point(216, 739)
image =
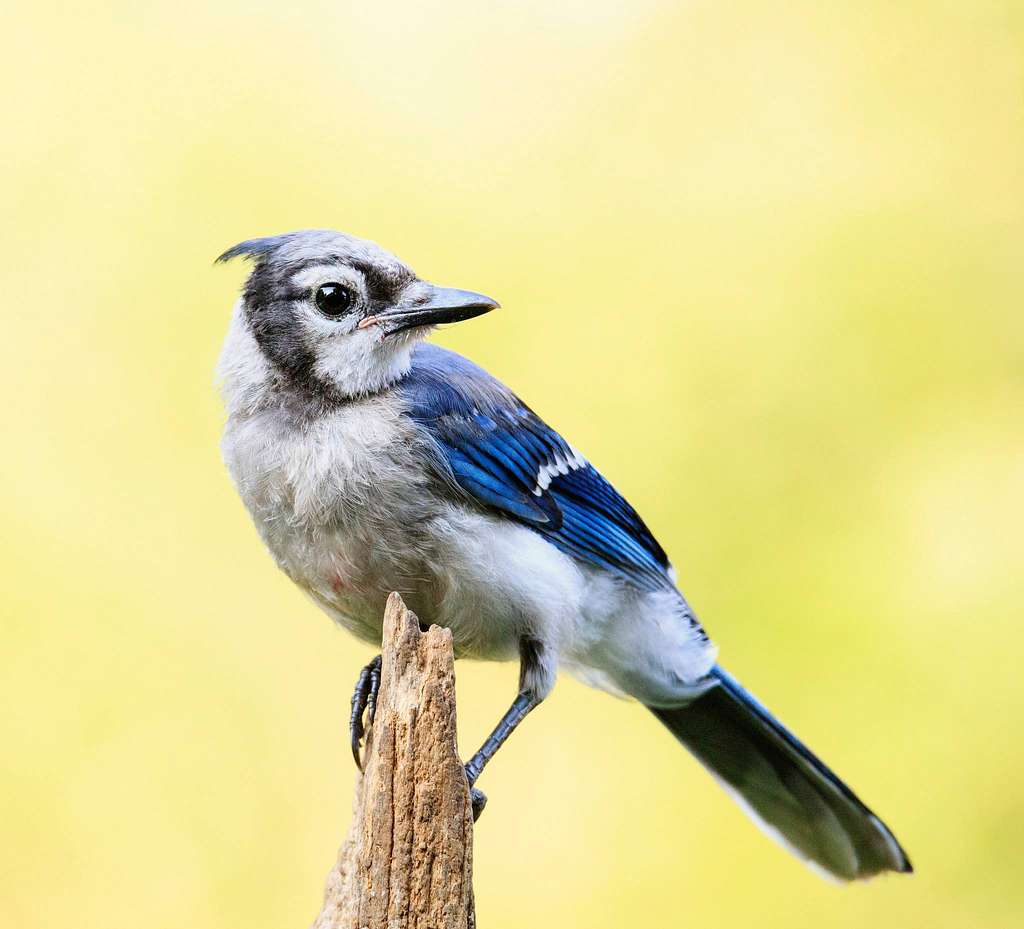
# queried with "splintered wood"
point(407, 862)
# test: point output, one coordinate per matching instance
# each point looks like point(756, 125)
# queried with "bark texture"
point(407, 862)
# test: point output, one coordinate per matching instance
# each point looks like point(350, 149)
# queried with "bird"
point(372, 461)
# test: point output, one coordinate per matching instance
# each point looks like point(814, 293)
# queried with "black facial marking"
point(272, 319)
point(384, 285)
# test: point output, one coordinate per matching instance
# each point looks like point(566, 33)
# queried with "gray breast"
point(341, 502)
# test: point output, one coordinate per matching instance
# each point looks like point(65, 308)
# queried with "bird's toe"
point(364, 705)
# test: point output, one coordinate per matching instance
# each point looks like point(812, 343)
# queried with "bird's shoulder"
point(443, 383)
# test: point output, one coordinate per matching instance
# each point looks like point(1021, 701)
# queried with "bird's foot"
point(364, 703)
point(476, 796)
point(478, 799)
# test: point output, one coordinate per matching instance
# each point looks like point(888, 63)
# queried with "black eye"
point(333, 300)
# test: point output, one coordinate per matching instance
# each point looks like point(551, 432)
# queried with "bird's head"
point(334, 316)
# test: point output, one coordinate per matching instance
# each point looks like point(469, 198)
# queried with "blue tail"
point(783, 786)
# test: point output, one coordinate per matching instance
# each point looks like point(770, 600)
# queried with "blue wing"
point(506, 458)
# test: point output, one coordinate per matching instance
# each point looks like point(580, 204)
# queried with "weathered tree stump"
point(407, 862)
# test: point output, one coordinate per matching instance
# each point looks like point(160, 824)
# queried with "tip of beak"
point(443, 305)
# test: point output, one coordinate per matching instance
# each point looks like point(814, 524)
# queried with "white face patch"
point(363, 362)
point(315, 275)
point(355, 362)
point(561, 465)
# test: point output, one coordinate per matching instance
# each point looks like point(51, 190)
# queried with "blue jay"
point(371, 461)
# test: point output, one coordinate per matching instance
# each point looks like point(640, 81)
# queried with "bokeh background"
point(761, 262)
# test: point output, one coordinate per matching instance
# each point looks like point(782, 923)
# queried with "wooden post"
point(407, 862)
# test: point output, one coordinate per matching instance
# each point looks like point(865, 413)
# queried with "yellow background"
point(762, 262)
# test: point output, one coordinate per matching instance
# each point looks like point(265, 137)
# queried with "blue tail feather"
point(782, 784)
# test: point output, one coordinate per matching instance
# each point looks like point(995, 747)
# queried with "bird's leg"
point(364, 699)
point(524, 702)
point(531, 692)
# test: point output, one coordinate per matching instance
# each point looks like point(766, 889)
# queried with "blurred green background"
point(761, 262)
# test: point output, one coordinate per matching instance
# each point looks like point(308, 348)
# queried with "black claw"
point(364, 698)
point(355, 722)
point(371, 697)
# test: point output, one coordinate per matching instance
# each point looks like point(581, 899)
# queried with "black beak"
point(441, 305)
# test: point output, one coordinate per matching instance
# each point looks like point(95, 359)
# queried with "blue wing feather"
point(491, 488)
point(496, 448)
